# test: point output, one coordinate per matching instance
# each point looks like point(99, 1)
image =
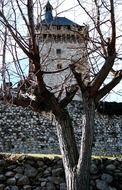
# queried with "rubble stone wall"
point(23, 131)
point(28, 173)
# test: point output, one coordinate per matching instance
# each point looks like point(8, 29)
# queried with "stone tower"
point(61, 42)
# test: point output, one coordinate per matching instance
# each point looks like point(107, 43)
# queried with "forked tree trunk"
point(68, 147)
point(76, 165)
point(83, 168)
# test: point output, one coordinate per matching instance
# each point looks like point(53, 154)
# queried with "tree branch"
point(52, 72)
point(18, 101)
point(113, 26)
point(98, 24)
point(103, 73)
point(23, 16)
point(31, 25)
point(69, 96)
point(6, 23)
point(78, 77)
point(107, 88)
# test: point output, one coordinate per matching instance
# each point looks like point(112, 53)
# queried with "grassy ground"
point(108, 157)
point(50, 156)
point(19, 156)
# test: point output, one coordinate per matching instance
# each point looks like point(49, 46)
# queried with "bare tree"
point(76, 164)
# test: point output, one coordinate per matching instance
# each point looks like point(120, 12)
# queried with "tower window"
point(58, 51)
point(54, 36)
point(68, 37)
point(58, 38)
point(59, 66)
point(58, 27)
point(44, 36)
point(50, 37)
point(73, 38)
point(69, 27)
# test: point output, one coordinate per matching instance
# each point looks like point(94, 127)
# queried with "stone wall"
point(22, 131)
point(27, 173)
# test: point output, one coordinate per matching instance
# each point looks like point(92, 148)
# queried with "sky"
point(71, 10)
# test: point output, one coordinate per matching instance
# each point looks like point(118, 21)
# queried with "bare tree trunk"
point(77, 169)
point(83, 168)
point(68, 148)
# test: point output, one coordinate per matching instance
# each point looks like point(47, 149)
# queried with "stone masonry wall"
point(22, 131)
point(29, 173)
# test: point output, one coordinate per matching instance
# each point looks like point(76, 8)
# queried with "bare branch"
point(78, 78)
point(113, 26)
point(23, 16)
point(57, 71)
point(31, 25)
point(6, 23)
point(69, 96)
point(103, 73)
point(107, 88)
point(98, 24)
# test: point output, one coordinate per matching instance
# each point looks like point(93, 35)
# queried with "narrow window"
point(58, 27)
point(69, 27)
point(58, 38)
point(58, 51)
point(59, 66)
point(68, 37)
point(44, 36)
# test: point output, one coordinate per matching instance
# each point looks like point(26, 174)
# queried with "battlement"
point(65, 34)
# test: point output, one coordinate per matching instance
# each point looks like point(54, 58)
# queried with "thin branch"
point(6, 23)
point(58, 71)
point(31, 24)
point(99, 29)
point(23, 16)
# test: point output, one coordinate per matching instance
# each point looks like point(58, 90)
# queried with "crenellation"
point(62, 37)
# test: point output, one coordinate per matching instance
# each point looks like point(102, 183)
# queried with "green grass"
point(51, 156)
point(108, 157)
point(22, 155)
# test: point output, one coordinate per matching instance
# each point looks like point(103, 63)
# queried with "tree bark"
point(68, 148)
point(83, 168)
point(77, 167)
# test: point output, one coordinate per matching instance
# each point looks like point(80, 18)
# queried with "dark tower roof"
point(48, 13)
point(55, 21)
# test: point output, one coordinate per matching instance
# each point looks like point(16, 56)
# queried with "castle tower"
point(61, 43)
